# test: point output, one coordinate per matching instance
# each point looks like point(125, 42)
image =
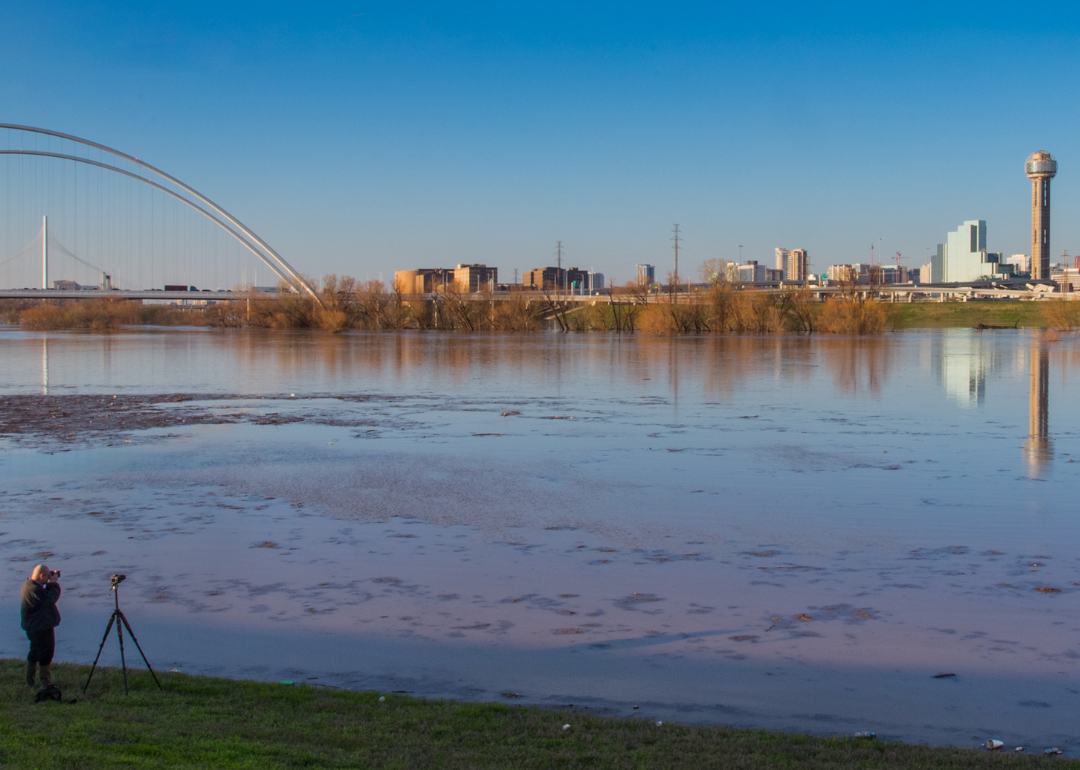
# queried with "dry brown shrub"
point(519, 313)
point(96, 315)
point(1064, 314)
point(840, 316)
point(657, 321)
point(44, 318)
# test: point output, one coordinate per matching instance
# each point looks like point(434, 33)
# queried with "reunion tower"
point(1040, 169)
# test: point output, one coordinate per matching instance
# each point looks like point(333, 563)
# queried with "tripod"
point(119, 618)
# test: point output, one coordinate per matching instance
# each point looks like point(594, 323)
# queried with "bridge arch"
point(230, 224)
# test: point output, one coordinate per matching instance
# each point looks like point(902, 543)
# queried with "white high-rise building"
point(963, 257)
point(794, 263)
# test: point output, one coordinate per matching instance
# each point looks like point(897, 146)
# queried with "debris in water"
point(866, 734)
point(943, 676)
point(993, 745)
point(1048, 590)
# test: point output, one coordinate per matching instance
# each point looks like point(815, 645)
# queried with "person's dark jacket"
point(39, 611)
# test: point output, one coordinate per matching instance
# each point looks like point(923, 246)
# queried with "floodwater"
point(784, 532)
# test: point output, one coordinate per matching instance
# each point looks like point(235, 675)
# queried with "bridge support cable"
point(250, 240)
point(36, 247)
point(224, 226)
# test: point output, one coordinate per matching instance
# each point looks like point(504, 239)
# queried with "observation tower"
point(1040, 169)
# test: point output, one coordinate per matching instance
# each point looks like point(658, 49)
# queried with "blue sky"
point(365, 137)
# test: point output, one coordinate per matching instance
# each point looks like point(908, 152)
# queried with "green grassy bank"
point(967, 315)
point(204, 722)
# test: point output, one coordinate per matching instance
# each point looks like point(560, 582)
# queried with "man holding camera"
point(39, 617)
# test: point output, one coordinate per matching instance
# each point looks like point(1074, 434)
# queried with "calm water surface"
point(788, 532)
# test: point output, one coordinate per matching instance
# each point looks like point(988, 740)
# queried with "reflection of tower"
point(1040, 169)
point(1038, 449)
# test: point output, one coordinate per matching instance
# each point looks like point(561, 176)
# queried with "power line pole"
point(676, 239)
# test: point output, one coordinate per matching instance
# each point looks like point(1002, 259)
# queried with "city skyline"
point(361, 140)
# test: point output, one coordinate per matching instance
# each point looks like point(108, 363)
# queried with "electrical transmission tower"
point(676, 247)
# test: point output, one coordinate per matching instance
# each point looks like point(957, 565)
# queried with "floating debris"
point(1048, 590)
point(943, 676)
point(993, 745)
point(866, 734)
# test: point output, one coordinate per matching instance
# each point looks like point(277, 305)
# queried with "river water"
point(786, 532)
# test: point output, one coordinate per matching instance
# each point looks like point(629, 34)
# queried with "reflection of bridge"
point(78, 154)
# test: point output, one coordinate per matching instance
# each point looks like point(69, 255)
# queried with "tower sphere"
point(1040, 165)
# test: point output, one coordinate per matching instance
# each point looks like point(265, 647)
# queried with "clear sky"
point(363, 137)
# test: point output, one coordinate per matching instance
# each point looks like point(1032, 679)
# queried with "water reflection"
point(963, 365)
point(44, 366)
point(861, 365)
point(1039, 449)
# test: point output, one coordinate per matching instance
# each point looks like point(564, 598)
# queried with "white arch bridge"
point(25, 188)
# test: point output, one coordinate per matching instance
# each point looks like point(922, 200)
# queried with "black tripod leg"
point(108, 628)
point(149, 668)
point(123, 663)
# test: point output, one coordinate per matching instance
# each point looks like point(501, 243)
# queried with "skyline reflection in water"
point(939, 375)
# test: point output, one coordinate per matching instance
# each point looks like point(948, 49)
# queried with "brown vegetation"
point(1064, 314)
point(104, 315)
point(345, 304)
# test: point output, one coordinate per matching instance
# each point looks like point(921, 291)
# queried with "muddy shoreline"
point(86, 418)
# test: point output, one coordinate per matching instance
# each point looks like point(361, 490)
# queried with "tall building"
point(963, 257)
point(475, 277)
point(858, 272)
point(1040, 169)
point(1021, 263)
point(423, 281)
point(544, 279)
point(794, 263)
point(646, 275)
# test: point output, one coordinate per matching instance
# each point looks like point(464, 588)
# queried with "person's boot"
point(46, 676)
point(31, 673)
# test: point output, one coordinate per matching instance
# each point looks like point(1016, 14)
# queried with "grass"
point(206, 722)
point(967, 315)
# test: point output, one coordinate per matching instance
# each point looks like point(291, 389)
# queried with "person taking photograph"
point(40, 617)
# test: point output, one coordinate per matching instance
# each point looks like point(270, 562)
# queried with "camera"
point(117, 580)
point(54, 574)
